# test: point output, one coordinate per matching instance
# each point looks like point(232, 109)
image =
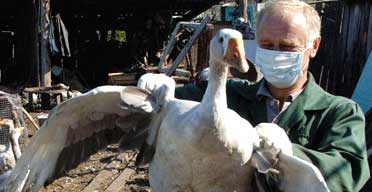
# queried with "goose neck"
point(215, 94)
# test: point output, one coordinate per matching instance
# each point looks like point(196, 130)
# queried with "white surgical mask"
point(280, 68)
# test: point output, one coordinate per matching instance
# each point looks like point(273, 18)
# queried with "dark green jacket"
point(327, 130)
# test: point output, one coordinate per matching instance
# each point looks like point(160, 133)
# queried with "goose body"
point(206, 146)
point(194, 156)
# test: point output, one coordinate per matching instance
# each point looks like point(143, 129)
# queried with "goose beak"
point(235, 55)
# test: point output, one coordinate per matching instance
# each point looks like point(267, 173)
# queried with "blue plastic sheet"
point(363, 91)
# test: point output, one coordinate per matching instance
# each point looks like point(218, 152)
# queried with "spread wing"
point(76, 129)
point(299, 175)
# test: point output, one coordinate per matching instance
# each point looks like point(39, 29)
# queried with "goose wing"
point(76, 129)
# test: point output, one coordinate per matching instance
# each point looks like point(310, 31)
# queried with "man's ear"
point(315, 47)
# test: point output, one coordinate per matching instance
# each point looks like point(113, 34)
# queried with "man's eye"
point(267, 46)
point(287, 48)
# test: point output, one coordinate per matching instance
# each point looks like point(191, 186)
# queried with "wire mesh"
point(4, 135)
point(10, 108)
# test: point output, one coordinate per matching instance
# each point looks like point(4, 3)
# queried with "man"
point(325, 130)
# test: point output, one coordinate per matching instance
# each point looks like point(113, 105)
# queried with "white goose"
point(198, 146)
point(205, 146)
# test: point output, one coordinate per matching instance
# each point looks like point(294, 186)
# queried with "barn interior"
point(88, 38)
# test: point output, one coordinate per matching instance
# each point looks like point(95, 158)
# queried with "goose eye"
point(221, 39)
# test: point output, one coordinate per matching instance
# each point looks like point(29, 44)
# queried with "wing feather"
point(74, 130)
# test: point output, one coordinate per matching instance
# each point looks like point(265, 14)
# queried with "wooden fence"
point(346, 44)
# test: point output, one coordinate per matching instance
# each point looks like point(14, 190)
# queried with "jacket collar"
point(312, 98)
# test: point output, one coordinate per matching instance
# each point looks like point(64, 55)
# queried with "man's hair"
point(286, 8)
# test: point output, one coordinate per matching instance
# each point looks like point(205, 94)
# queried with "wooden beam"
point(30, 44)
point(203, 49)
point(188, 46)
point(45, 61)
point(29, 117)
point(120, 182)
point(169, 47)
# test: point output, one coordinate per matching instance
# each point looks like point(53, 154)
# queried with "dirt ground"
point(108, 170)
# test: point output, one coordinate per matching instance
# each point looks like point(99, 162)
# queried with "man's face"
point(284, 35)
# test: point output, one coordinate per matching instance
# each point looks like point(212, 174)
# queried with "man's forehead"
point(286, 16)
point(299, 19)
point(291, 26)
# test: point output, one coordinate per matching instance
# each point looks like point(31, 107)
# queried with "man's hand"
point(275, 156)
point(273, 141)
point(272, 134)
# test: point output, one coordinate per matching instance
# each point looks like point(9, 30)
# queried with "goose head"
point(227, 48)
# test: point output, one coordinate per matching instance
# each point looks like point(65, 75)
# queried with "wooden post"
point(31, 43)
point(203, 49)
point(243, 10)
point(45, 61)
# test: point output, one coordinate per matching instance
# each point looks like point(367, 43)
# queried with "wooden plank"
point(49, 88)
point(99, 181)
point(203, 49)
point(29, 117)
point(122, 78)
point(45, 61)
point(120, 182)
point(32, 43)
point(169, 47)
point(123, 82)
point(106, 176)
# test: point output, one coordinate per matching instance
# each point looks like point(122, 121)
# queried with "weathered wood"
point(172, 42)
point(29, 117)
point(120, 182)
point(188, 45)
point(105, 176)
point(169, 47)
point(57, 88)
point(346, 43)
point(31, 41)
point(203, 49)
point(45, 61)
point(122, 78)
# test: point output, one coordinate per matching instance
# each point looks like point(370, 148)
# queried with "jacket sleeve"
point(341, 153)
point(192, 92)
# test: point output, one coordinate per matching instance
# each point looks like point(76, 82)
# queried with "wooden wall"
point(346, 44)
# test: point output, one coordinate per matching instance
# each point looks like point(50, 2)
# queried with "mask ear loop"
point(309, 45)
